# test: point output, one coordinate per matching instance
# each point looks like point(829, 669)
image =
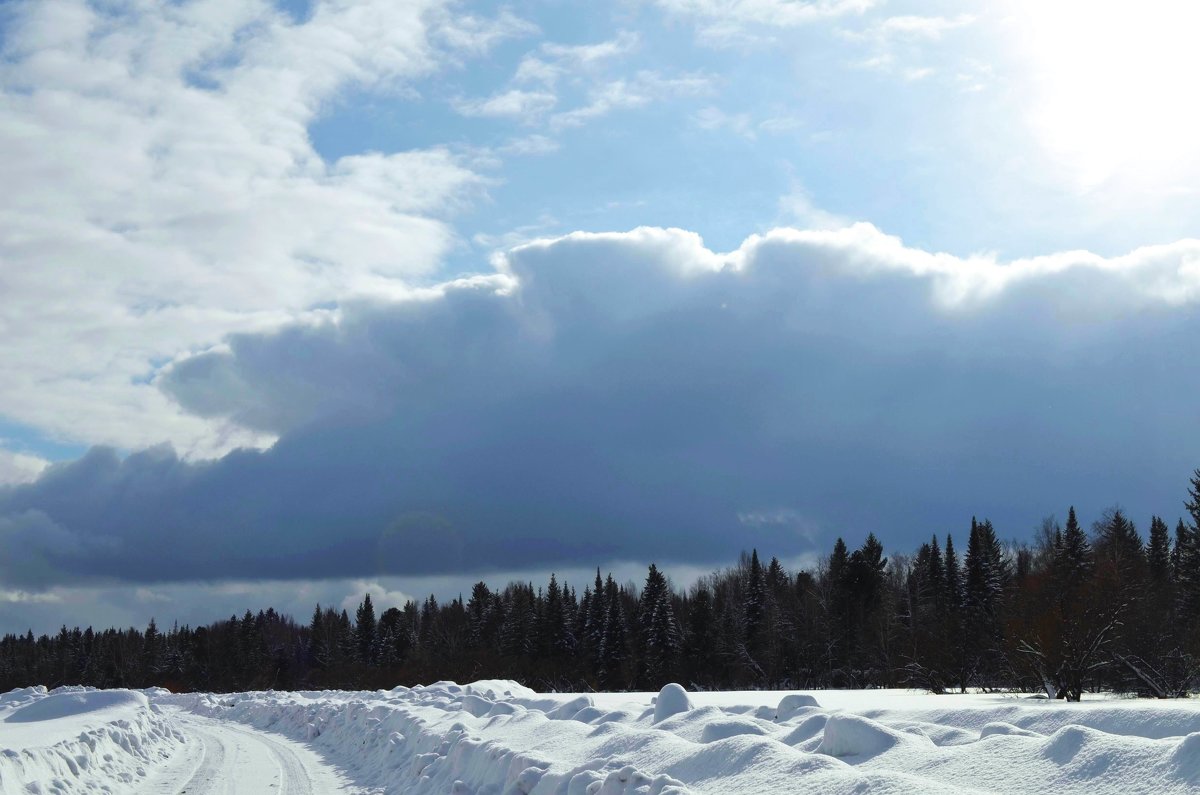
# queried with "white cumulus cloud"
point(161, 191)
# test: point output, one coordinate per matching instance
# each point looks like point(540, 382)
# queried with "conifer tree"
point(660, 639)
point(1074, 559)
point(1158, 554)
point(364, 631)
point(754, 610)
point(1119, 548)
point(318, 642)
point(554, 628)
point(613, 642)
point(594, 626)
point(701, 642)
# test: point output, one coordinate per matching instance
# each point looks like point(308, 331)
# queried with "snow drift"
point(498, 738)
point(76, 739)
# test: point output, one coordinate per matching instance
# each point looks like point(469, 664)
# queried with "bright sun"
point(1116, 86)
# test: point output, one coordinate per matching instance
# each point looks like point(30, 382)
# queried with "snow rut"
point(225, 758)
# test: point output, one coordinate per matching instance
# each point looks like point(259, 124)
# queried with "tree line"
point(1067, 611)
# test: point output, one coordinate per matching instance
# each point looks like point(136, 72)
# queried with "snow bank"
point(496, 738)
point(75, 739)
point(69, 704)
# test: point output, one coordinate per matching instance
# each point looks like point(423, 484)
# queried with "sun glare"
point(1114, 86)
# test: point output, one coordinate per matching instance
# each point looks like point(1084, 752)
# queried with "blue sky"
point(313, 298)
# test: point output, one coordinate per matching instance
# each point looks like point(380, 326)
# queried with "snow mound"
point(66, 705)
point(21, 695)
point(806, 729)
point(76, 739)
point(793, 704)
point(731, 727)
point(1000, 727)
point(1066, 743)
point(1186, 758)
point(672, 700)
point(856, 736)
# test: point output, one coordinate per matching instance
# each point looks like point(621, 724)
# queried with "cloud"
point(554, 61)
point(161, 192)
point(35, 548)
point(724, 23)
point(637, 395)
point(642, 89)
point(527, 106)
point(797, 207)
point(477, 35)
point(530, 145)
point(559, 71)
point(20, 467)
point(743, 124)
point(583, 69)
point(896, 41)
point(712, 118)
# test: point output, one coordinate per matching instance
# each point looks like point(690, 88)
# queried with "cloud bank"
point(638, 396)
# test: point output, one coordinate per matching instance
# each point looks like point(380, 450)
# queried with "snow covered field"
point(498, 738)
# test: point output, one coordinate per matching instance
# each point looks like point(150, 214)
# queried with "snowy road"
point(224, 758)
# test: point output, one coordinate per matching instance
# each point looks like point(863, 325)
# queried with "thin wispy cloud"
point(527, 106)
point(733, 23)
point(900, 44)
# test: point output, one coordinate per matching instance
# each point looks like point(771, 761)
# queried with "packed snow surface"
point(499, 738)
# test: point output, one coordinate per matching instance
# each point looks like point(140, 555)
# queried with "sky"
point(309, 299)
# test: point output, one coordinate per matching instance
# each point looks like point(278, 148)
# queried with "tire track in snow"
point(226, 758)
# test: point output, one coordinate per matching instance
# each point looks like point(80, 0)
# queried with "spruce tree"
point(1192, 504)
point(594, 626)
point(318, 642)
point(701, 643)
point(1073, 563)
point(1119, 548)
point(151, 649)
point(754, 607)
point(554, 629)
point(1186, 557)
point(479, 614)
point(364, 631)
point(660, 639)
point(1158, 554)
point(613, 642)
point(952, 593)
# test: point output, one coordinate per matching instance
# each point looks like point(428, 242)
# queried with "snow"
point(794, 704)
point(671, 700)
point(78, 739)
point(498, 738)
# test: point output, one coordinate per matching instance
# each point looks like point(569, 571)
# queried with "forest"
point(1067, 611)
